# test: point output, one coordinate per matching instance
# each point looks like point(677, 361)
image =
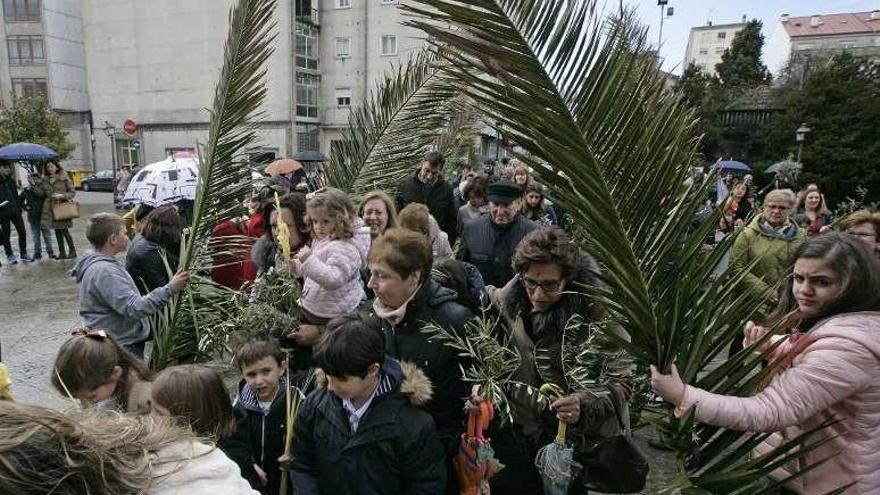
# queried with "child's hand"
point(307, 335)
point(284, 462)
point(179, 281)
point(303, 254)
point(261, 474)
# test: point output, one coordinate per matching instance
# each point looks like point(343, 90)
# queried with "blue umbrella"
point(734, 165)
point(27, 152)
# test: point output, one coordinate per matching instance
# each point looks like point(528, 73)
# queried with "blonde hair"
point(416, 217)
point(389, 206)
point(91, 451)
point(862, 216)
point(338, 208)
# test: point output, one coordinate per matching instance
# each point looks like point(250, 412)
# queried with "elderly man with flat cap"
point(488, 241)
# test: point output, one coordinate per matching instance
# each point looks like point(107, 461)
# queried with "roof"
point(832, 25)
point(762, 97)
point(718, 26)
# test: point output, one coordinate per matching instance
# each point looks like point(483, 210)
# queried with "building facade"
point(707, 43)
point(103, 62)
point(798, 39)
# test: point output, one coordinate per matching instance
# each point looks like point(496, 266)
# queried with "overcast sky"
point(691, 13)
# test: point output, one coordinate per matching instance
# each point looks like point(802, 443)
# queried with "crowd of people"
point(385, 404)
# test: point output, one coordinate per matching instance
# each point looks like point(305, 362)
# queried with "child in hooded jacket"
point(331, 267)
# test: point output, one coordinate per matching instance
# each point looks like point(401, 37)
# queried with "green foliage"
point(224, 176)
point(589, 110)
point(840, 103)
point(31, 120)
point(741, 66)
point(403, 118)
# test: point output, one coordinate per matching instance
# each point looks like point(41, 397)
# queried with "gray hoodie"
point(109, 299)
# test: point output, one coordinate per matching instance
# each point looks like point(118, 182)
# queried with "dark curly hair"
point(478, 185)
point(296, 203)
point(547, 245)
point(163, 226)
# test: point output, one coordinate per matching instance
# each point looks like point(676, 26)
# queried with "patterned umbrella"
point(475, 462)
point(163, 182)
point(555, 462)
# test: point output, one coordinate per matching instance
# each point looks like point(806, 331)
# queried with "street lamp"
point(801, 135)
point(663, 15)
point(110, 130)
point(498, 125)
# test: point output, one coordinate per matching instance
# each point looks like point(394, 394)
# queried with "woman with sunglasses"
point(536, 309)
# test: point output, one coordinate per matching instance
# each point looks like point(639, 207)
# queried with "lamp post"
point(110, 130)
point(664, 13)
point(801, 135)
point(498, 125)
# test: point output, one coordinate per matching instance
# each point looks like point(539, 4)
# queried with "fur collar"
point(411, 382)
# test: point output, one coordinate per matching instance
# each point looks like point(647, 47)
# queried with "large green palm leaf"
point(224, 177)
point(589, 109)
point(412, 105)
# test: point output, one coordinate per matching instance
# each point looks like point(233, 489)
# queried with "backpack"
point(464, 279)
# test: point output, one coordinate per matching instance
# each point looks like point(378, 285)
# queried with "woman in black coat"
point(159, 237)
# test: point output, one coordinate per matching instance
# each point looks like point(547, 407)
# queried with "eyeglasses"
point(548, 286)
point(88, 332)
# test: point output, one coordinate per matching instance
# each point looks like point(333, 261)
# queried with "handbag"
point(615, 464)
point(65, 210)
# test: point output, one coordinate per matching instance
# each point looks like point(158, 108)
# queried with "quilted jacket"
point(834, 374)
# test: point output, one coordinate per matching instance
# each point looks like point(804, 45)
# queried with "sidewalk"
point(39, 306)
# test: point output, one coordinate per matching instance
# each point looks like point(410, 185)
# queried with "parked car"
point(102, 181)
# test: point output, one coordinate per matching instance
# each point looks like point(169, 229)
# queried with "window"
point(806, 46)
point(387, 2)
point(306, 47)
point(343, 47)
point(343, 97)
point(722, 35)
point(306, 95)
point(25, 50)
point(704, 51)
point(389, 44)
point(343, 4)
point(307, 141)
point(28, 87)
point(847, 44)
point(21, 10)
point(719, 49)
point(181, 151)
point(126, 153)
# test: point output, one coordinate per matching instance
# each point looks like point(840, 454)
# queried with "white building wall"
point(365, 22)
point(705, 48)
point(65, 54)
point(777, 50)
point(158, 62)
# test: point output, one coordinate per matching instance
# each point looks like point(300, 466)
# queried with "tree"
point(741, 66)
point(840, 103)
point(31, 120)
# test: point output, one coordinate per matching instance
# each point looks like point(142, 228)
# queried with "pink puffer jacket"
point(332, 275)
point(834, 374)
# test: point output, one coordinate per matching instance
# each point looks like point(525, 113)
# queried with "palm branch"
point(389, 132)
point(224, 177)
point(587, 106)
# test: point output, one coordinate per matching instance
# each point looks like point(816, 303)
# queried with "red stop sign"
point(129, 127)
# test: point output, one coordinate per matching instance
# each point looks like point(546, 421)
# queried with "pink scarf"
point(393, 315)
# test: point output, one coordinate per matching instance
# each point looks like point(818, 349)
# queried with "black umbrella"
point(309, 156)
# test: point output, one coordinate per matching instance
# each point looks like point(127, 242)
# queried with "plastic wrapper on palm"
point(489, 361)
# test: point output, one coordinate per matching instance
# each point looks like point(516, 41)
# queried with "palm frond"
point(585, 102)
point(224, 177)
point(387, 134)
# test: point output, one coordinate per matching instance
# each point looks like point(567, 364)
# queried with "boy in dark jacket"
point(363, 433)
point(261, 415)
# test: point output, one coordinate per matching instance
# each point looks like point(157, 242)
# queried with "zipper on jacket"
point(263, 439)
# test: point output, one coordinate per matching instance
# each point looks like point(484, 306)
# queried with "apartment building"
point(707, 43)
point(103, 62)
point(798, 39)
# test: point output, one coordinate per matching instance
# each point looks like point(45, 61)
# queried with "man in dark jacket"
point(426, 186)
point(10, 214)
point(488, 241)
point(32, 199)
point(363, 433)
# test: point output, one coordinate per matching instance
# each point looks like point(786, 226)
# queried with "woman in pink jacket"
point(831, 371)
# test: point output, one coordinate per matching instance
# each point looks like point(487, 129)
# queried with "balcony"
point(307, 16)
